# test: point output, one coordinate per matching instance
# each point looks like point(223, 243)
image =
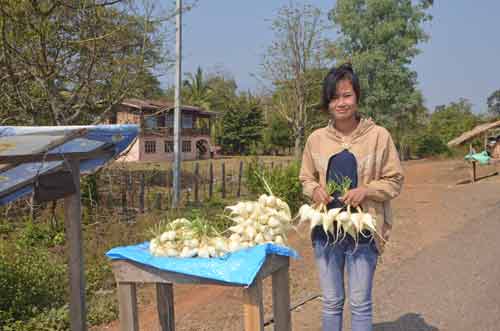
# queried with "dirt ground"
point(431, 207)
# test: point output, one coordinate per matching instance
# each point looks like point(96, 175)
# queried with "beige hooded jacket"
point(379, 168)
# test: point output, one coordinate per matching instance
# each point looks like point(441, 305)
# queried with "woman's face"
point(343, 105)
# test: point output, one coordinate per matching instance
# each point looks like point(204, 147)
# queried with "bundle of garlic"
point(266, 220)
point(184, 238)
point(344, 221)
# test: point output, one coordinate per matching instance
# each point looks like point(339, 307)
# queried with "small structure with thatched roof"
point(468, 136)
point(481, 130)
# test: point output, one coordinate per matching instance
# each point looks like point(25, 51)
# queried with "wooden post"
point(33, 207)
point(170, 188)
point(196, 182)
point(110, 179)
point(124, 192)
point(165, 306)
point(223, 189)
point(253, 308)
point(157, 201)
point(211, 181)
point(473, 172)
point(73, 225)
point(281, 300)
point(130, 192)
point(142, 189)
point(240, 174)
point(127, 297)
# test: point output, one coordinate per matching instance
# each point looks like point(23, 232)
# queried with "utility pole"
point(177, 111)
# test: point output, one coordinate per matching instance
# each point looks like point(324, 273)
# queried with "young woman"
point(350, 147)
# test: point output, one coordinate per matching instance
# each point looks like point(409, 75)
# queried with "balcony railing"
point(184, 132)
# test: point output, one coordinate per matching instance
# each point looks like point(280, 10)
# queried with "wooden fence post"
point(196, 184)
point(141, 192)
point(211, 181)
point(240, 174)
point(123, 187)
point(168, 184)
point(130, 192)
point(157, 201)
point(223, 180)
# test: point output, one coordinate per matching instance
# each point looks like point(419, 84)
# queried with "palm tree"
point(197, 90)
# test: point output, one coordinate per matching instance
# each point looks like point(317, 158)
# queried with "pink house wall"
point(138, 150)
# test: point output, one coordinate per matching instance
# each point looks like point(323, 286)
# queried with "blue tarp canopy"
point(52, 146)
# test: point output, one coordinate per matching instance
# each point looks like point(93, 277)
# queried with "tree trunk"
point(297, 149)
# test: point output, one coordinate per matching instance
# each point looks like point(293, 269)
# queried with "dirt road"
point(439, 272)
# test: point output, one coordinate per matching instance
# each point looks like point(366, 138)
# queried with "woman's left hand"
point(355, 196)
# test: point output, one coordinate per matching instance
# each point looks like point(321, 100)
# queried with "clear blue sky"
point(461, 59)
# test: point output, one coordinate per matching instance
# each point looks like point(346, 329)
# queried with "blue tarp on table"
point(240, 267)
point(482, 157)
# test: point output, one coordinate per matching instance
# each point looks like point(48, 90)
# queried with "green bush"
point(430, 145)
point(284, 182)
point(39, 235)
point(31, 281)
point(102, 308)
point(54, 319)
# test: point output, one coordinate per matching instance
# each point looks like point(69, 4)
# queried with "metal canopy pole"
point(177, 111)
point(73, 225)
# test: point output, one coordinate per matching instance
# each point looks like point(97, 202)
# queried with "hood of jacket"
point(364, 126)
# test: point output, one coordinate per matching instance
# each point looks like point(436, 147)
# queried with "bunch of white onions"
point(256, 222)
point(184, 238)
point(349, 223)
point(266, 220)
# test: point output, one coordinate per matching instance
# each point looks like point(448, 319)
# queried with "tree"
point(380, 38)
point(66, 62)
point(276, 135)
point(196, 91)
point(449, 121)
point(223, 89)
point(291, 64)
point(494, 103)
point(241, 125)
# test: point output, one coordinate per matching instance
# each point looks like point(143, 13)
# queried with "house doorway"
point(202, 149)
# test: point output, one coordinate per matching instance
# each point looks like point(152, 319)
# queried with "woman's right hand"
point(320, 196)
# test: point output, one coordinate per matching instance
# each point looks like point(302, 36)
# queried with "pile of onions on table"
point(266, 220)
point(187, 238)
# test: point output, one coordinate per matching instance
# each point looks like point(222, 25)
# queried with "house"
point(155, 141)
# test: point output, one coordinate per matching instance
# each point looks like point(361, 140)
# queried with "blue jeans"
point(360, 264)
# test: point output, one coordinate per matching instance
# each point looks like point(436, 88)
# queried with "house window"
point(186, 146)
point(187, 121)
point(169, 119)
point(150, 122)
point(150, 146)
point(169, 146)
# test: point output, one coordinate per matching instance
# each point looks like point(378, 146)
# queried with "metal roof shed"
point(48, 161)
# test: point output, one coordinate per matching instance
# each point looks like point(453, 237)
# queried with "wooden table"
point(128, 274)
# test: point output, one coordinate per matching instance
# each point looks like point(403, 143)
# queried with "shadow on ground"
point(407, 322)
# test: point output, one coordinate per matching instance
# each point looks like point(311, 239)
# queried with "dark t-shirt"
point(340, 165)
